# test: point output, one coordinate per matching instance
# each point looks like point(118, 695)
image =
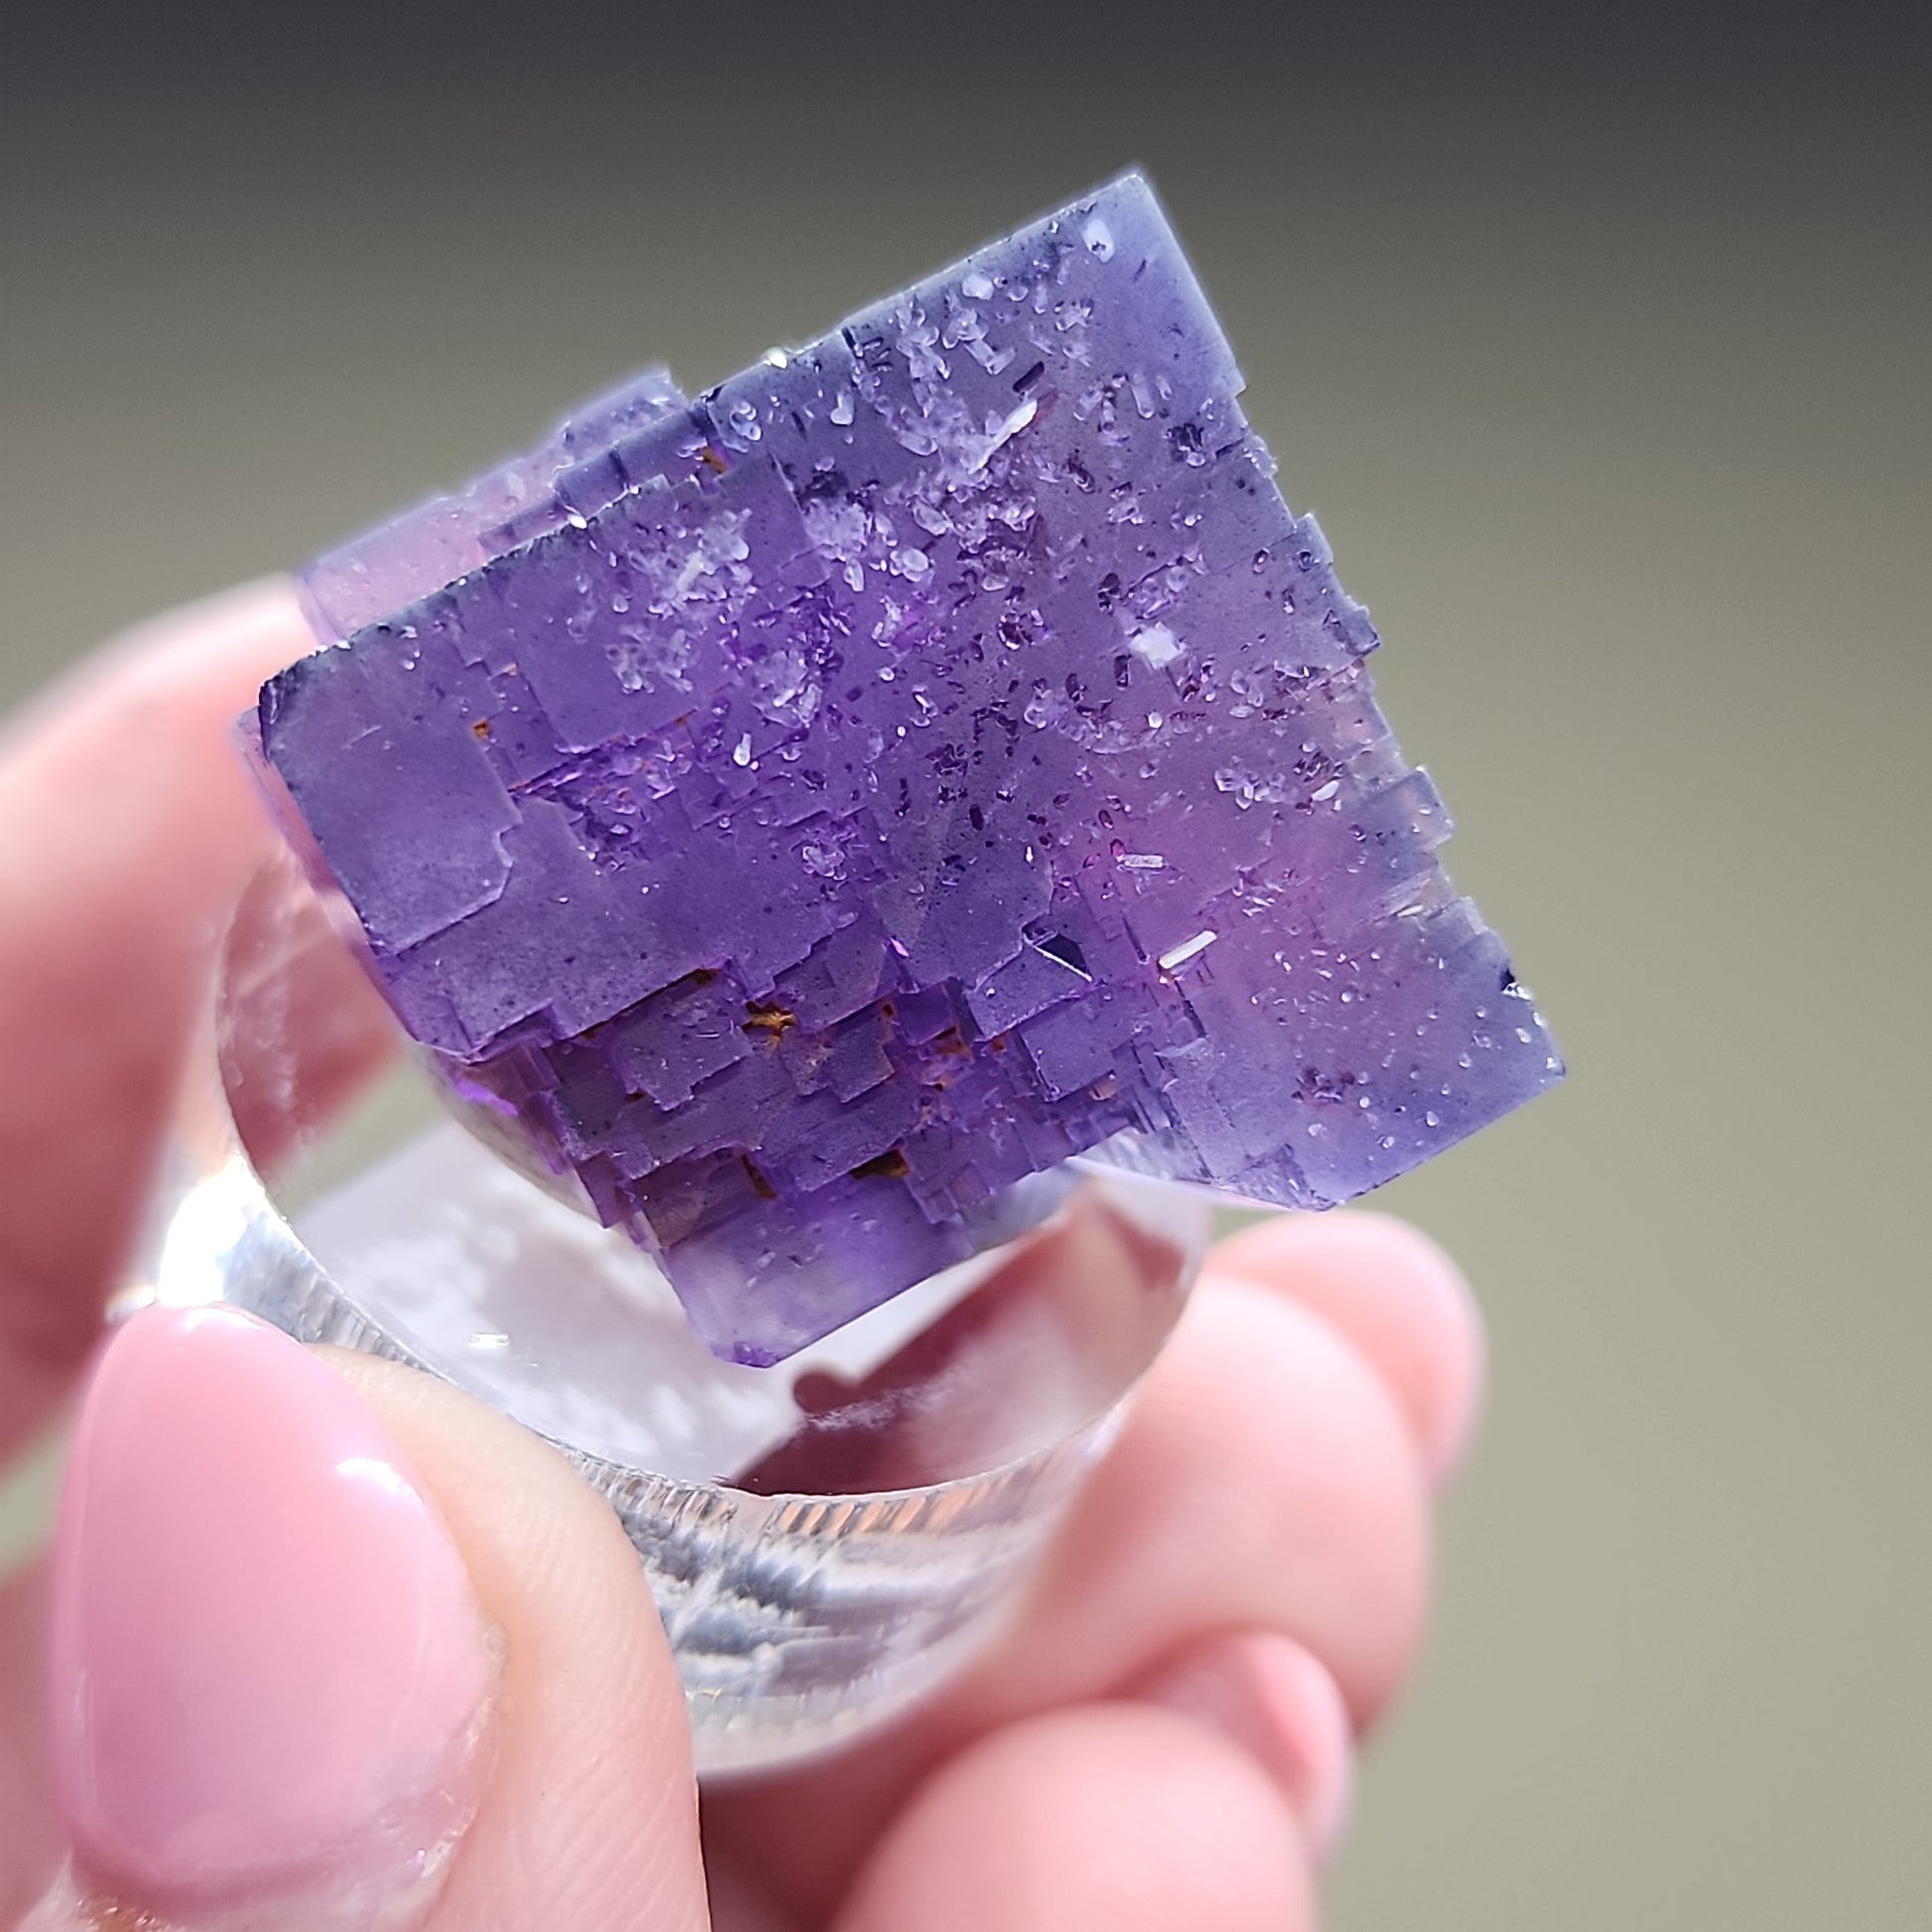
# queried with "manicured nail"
point(268, 1669)
point(1273, 1698)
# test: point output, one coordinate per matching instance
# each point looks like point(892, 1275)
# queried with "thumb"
point(335, 1647)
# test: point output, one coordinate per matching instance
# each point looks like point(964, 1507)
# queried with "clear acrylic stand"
point(828, 1540)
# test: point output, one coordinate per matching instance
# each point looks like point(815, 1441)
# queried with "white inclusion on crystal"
point(1143, 861)
point(1098, 237)
point(743, 755)
point(841, 410)
point(1177, 956)
point(1005, 433)
point(1328, 791)
point(1063, 953)
point(975, 285)
point(776, 358)
point(1157, 646)
point(489, 1338)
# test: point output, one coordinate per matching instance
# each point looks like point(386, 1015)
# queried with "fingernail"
point(1268, 1696)
point(267, 1664)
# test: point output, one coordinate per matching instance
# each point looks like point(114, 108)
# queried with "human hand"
point(1163, 1740)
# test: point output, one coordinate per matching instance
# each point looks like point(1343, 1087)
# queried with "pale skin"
point(1165, 1739)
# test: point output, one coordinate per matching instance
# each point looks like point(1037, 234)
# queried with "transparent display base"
point(828, 1540)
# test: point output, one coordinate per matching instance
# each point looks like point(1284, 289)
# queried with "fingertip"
point(1095, 1819)
point(1272, 1697)
point(591, 1815)
point(268, 1675)
point(1266, 1479)
point(1397, 1296)
point(128, 826)
point(30, 1842)
point(222, 643)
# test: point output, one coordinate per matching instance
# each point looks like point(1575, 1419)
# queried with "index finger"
point(127, 828)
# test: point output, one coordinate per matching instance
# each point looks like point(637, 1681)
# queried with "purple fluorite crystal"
point(811, 813)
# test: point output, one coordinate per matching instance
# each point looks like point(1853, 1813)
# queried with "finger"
point(1106, 1819)
point(126, 828)
point(29, 1841)
point(1396, 1295)
point(326, 1632)
point(1274, 1700)
point(1265, 1482)
point(590, 1823)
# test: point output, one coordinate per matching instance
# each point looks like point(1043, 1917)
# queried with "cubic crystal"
point(810, 815)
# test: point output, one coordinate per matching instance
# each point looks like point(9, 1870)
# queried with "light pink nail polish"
point(267, 1663)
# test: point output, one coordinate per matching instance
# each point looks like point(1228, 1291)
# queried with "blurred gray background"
point(1601, 355)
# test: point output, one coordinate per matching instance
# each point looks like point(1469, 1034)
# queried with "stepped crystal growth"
point(809, 814)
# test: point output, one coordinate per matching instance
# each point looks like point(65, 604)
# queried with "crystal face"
point(810, 814)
